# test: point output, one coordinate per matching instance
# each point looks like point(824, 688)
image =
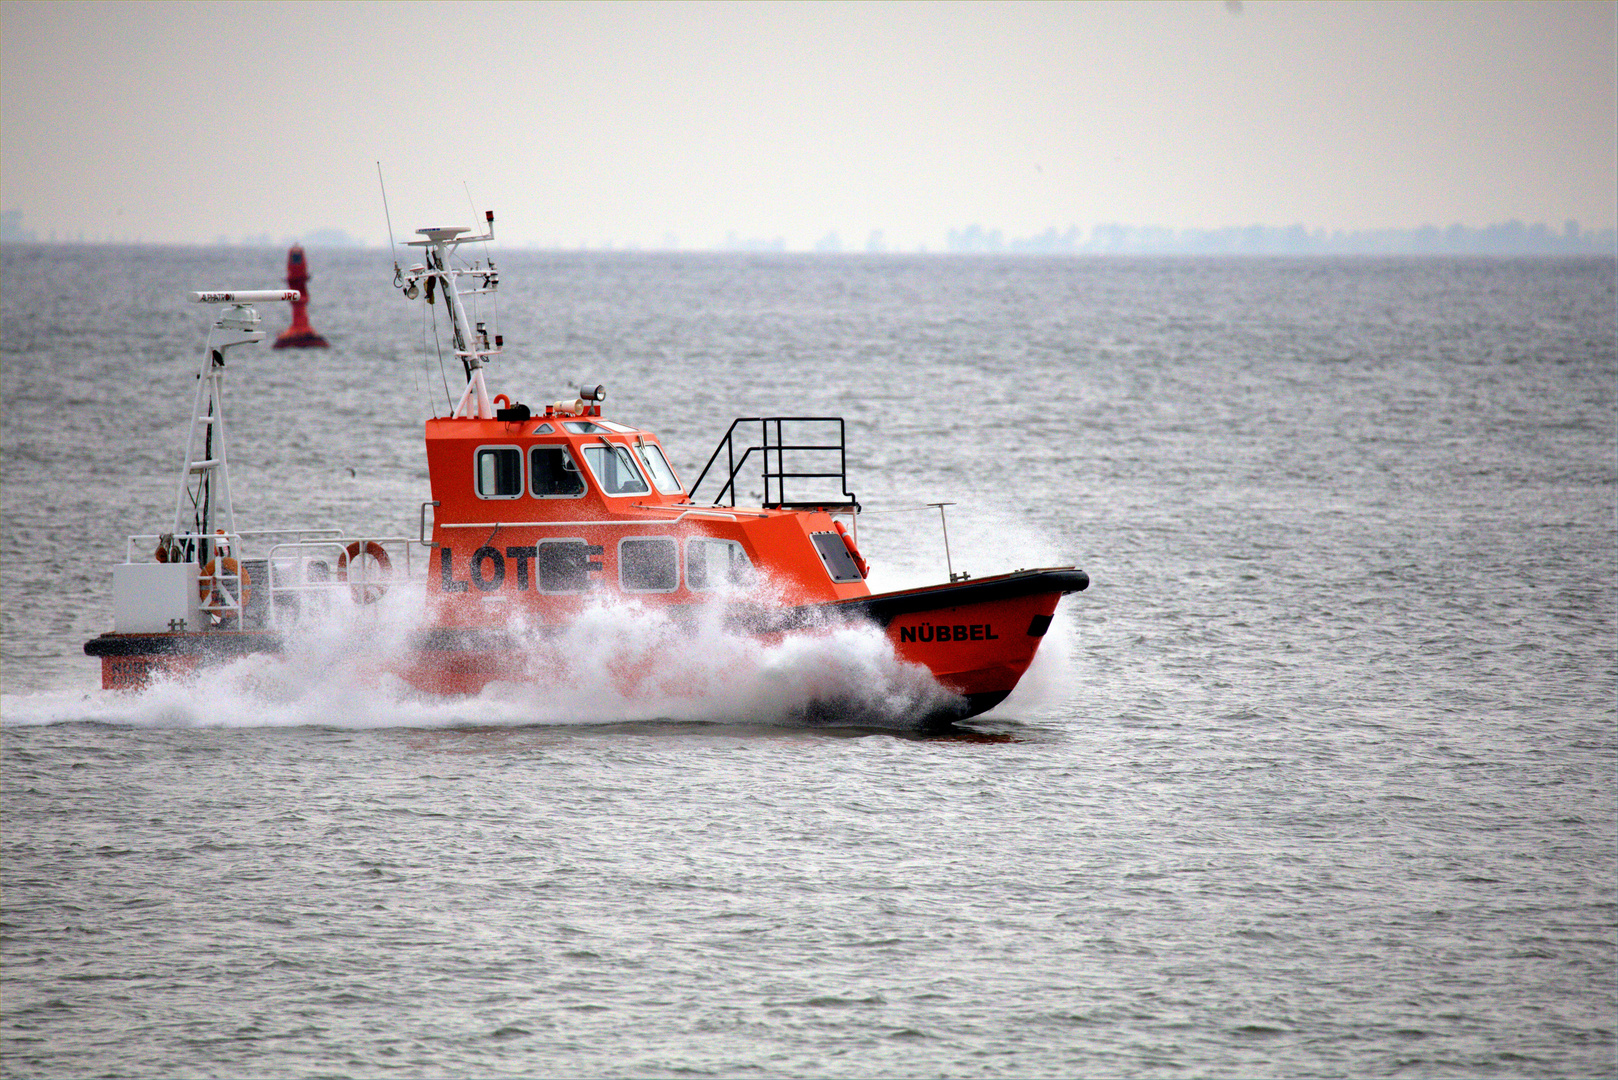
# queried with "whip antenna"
point(389, 218)
point(494, 299)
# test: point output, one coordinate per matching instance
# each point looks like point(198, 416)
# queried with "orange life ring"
point(854, 552)
point(368, 592)
point(213, 586)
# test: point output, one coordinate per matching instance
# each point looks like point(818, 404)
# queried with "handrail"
point(779, 474)
point(321, 532)
point(324, 532)
point(297, 552)
point(589, 523)
point(338, 541)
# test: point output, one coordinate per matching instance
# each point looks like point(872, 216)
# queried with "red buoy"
point(299, 335)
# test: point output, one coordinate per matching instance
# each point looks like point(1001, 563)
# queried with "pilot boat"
point(538, 511)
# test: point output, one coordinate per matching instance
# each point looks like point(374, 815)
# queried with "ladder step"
point(204, 466)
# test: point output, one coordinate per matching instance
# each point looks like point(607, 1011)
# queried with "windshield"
point(657, 466)
point(615, 470)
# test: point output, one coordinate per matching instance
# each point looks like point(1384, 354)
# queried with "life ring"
point(854, 552)
point(369, 591)
point(214, 584)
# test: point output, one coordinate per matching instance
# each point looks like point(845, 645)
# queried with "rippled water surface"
point(1316, 779)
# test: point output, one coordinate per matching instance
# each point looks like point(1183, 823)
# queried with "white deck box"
point(155, 598)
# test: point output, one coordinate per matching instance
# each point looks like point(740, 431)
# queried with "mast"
point(442, 276)
point(203, 505)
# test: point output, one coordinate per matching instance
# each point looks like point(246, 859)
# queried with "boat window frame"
point(853, 569)
point(589, 583)
point(567, 449)
point(627, 455)
point(664, 539)
point(477, 472)
point(711, 587)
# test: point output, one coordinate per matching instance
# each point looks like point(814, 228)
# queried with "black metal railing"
point(773, 451)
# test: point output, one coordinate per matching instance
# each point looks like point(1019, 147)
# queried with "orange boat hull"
point(976, 637)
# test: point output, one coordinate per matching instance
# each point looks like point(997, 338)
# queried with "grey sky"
point(632, 124)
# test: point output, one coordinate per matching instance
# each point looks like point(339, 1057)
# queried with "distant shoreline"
point(1610, 253)
point(1512, 237)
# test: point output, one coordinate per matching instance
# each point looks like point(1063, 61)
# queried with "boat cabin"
point(533, 514)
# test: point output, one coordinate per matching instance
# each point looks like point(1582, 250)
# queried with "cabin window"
point(715, 564)
point(499, 472)
point(565, 566)
point(585, 427)
point(552, 473)
point(834, 553)
point(657, 467)
point(615, 470)
point(649, 564)
point(543, 429)
point(619, 428)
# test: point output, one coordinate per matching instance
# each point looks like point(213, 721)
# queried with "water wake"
point(617, 662)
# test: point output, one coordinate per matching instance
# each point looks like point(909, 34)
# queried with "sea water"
point(1316, 779)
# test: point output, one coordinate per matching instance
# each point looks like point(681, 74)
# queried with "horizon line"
point(1513, 236)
